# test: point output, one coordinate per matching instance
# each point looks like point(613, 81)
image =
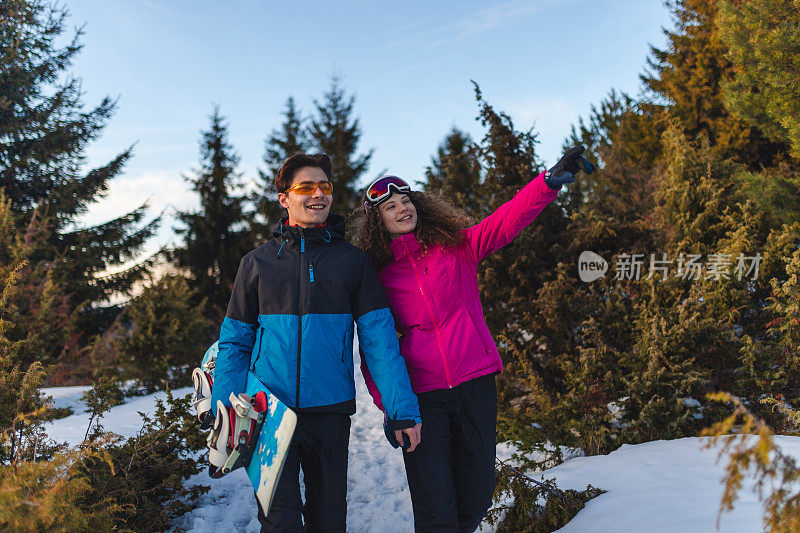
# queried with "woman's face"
point(398, 214)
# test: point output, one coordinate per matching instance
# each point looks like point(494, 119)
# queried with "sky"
point(409, 64)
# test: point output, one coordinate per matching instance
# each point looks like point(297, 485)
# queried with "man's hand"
point(413, 437)
point(567, 167)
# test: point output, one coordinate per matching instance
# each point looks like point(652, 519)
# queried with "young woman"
point(426, 253)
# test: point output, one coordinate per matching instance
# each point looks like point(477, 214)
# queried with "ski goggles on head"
point(381, 189)
point(307, 188)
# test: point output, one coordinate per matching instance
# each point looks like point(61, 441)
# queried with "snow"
point(122, 419)
point(377, 492)
point(67, 397)
point(661, 486)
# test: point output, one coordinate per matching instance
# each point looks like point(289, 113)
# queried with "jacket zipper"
point(433, 317)
point(300, 318)
point(310, 287)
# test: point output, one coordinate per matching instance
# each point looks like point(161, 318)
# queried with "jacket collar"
point(333, 229)
point(405, 245)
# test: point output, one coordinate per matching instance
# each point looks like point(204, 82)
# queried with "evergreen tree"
point(511, 275)
point(216, 236)
point(336, 132)
point(764, 48)
point(44, 133)
point(278, 147)
point(685, 83)
point(754, 451)
point(455, 171)
point(22, 406)
point(165, 331)
point(624, 142)
point(45, 328)
point(286, 141)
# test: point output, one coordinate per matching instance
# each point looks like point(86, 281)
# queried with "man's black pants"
point(451, 473)
point(319, 445)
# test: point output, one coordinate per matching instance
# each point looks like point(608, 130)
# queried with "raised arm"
point(508, 220)
point(237, 336)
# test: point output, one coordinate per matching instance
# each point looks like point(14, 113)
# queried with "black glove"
point(389, 427)
point(567, 167)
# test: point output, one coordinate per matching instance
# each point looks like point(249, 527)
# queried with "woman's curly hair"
point(438, 222)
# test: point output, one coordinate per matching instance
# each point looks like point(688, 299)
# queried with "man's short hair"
point(290, 167)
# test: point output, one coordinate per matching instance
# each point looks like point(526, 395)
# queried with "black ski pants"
point(451, 473)
point(319, 446)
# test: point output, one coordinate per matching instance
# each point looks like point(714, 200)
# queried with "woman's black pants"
point(451, 473)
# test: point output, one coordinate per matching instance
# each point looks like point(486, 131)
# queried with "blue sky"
point(409, 63)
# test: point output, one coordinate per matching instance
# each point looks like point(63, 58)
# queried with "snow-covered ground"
point(662, 486)
point(122, 419)
point(377, 493)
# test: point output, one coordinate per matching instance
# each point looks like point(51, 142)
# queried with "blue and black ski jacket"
point(290, 323)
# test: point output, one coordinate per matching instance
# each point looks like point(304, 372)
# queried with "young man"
point(290, 322)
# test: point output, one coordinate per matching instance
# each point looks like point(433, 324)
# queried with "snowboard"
point(273, 442)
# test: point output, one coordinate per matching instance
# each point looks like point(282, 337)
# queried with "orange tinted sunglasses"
point(307, 188)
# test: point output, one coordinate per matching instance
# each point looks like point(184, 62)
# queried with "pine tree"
point(44, 133)
point(455, 171)
point(144, 478)
point(278, 147)
point(22, 406)
point(286, 141)
point(764, 48)
point(216, 236)
point(165, 331)
point(336, 132)
point(753, 450)
point(511, 275)
point(45, 329)
point(685, 83)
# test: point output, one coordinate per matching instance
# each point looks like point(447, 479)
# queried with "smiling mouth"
point(404, 219)
point(315, 207)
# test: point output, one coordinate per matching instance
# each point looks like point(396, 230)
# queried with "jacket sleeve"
point(236, 337)
point(508, 220)
point(387, 375)
point(371, 387)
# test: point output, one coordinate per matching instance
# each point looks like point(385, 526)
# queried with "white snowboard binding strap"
point(233, 439)
point(203, 379)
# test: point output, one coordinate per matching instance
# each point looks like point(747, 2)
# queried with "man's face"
point(307, 211)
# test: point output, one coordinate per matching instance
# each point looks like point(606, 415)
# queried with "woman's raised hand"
point(567, 167)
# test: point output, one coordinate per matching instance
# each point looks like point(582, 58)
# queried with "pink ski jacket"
point(435, 301)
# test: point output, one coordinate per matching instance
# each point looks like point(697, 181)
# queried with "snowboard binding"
point(255, 432)
point(235, 429)
point(203, 380)
point(233, 439)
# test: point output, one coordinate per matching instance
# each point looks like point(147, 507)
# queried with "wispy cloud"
point(152, 4)
point(475, 23)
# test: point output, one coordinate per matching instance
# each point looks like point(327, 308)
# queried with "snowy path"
point(377, 493)
point(662, 486)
